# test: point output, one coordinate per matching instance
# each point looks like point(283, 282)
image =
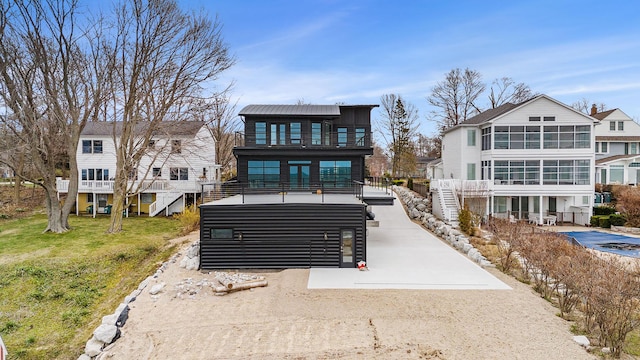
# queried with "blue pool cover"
point(613, 243)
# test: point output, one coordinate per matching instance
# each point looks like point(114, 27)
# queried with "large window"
point(92, 146)
point(485, 172)
point(486, 138)
point(295, 133)
point(616, 174)
point(565, 172)
point(620, 125)
point(516, 137)
point(612, 125)
point(517, 172)
point(335, 173)
point(95, 174)
point(179, 173)
point(567, 137)
point(263, 174)
point(261, 133)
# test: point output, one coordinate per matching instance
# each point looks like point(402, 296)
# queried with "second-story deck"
point(106, 186)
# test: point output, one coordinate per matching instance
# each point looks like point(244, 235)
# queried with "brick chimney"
point(594, 109)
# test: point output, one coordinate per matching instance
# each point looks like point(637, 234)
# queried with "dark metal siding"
point(279, 235)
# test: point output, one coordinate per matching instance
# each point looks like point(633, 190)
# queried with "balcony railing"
point(333, 139)
point(106, 186)
point(287, 192)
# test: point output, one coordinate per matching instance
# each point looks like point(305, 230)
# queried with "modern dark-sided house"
point(298, 171)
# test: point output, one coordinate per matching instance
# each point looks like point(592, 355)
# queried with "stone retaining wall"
point(418, 209)
point(626, 230)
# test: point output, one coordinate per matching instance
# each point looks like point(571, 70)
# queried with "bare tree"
point(160, 60)
point(456, 97)
point(426, 146)
point(398, 128)
point(48, 68)
point(505, 90)
point(378, 163)
point(223, 123)
point(585, 106)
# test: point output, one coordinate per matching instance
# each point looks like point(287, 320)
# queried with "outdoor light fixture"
point(326, 237)
point(240, 236)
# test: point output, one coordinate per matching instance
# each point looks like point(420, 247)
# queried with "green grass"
point(55, 288)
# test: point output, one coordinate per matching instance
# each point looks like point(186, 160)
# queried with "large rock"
point(155, 289)
point(193, 264)
point(193, 251)
point(106, 333)
point(93, 347)
point(582, 340)
point(421, 207)
point(84, 357)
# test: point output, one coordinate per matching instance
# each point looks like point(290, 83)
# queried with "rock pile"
point(418, 209)
point(109, 331)
point(191, 259)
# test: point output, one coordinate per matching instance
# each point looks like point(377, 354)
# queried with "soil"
point(285, 320)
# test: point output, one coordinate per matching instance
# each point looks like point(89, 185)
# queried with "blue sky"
point(328, 51)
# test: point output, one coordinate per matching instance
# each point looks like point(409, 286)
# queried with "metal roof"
point(290, 110)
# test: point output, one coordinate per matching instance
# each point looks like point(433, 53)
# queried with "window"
point(517, 172)
point(532, 137)
point(565, 172)
point(620, 125)
point(335, 174)
point(327, 126)
point(92, 146)
point(534, 118)
point(89, 197)
point(549, 118)
point(616, 174)
point(133, 174)
point(516, 137)
point(633, 148)
point(485, 172)
point(95, 174)
point(225, 234)
point(157, 172)
point(146, 198)
point(567, 137)
point(342, 136)
point(360, 136)
point(597, 147)
point(278, 134)
point(612, 125)
point(471, 138)
point(179, 173)
point(501, 137)
point(486, 138)
point(316, 134)
point(204, 173)
point(176, 146)
point(263, 174)
point(500, 204)
point(605, 147)
point(261, 133)
point(151, 144)
point(471, 171)
point(295, 133)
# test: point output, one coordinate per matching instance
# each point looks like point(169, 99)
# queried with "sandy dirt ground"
point(285, 320)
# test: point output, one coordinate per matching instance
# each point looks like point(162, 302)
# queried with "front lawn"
point(55, 288)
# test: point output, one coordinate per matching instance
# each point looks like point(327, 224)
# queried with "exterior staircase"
point(163, 201)
point(448, 201)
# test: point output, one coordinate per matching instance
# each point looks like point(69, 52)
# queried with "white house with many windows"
point(179, 157)
point(532, 161)
point(617, 148)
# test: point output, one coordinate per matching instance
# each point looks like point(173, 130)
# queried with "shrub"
point(464, 218)
point(617, 220)
point(398, 182)
point(595, 221)
point(604, 210)
point(410, 183)
point(604, 222)
point(189, 219)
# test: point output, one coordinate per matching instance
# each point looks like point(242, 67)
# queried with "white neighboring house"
point(533, 161)
point(180, 157)
point(617, 148)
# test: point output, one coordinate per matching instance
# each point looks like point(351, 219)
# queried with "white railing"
point(162, 201)
point(146, 186)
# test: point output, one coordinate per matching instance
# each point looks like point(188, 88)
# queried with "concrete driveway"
point(403, 255)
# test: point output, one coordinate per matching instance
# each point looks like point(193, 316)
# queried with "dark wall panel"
point(279, 235)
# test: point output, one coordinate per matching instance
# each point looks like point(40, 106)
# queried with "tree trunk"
point(119, 196)
point(55, 221)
